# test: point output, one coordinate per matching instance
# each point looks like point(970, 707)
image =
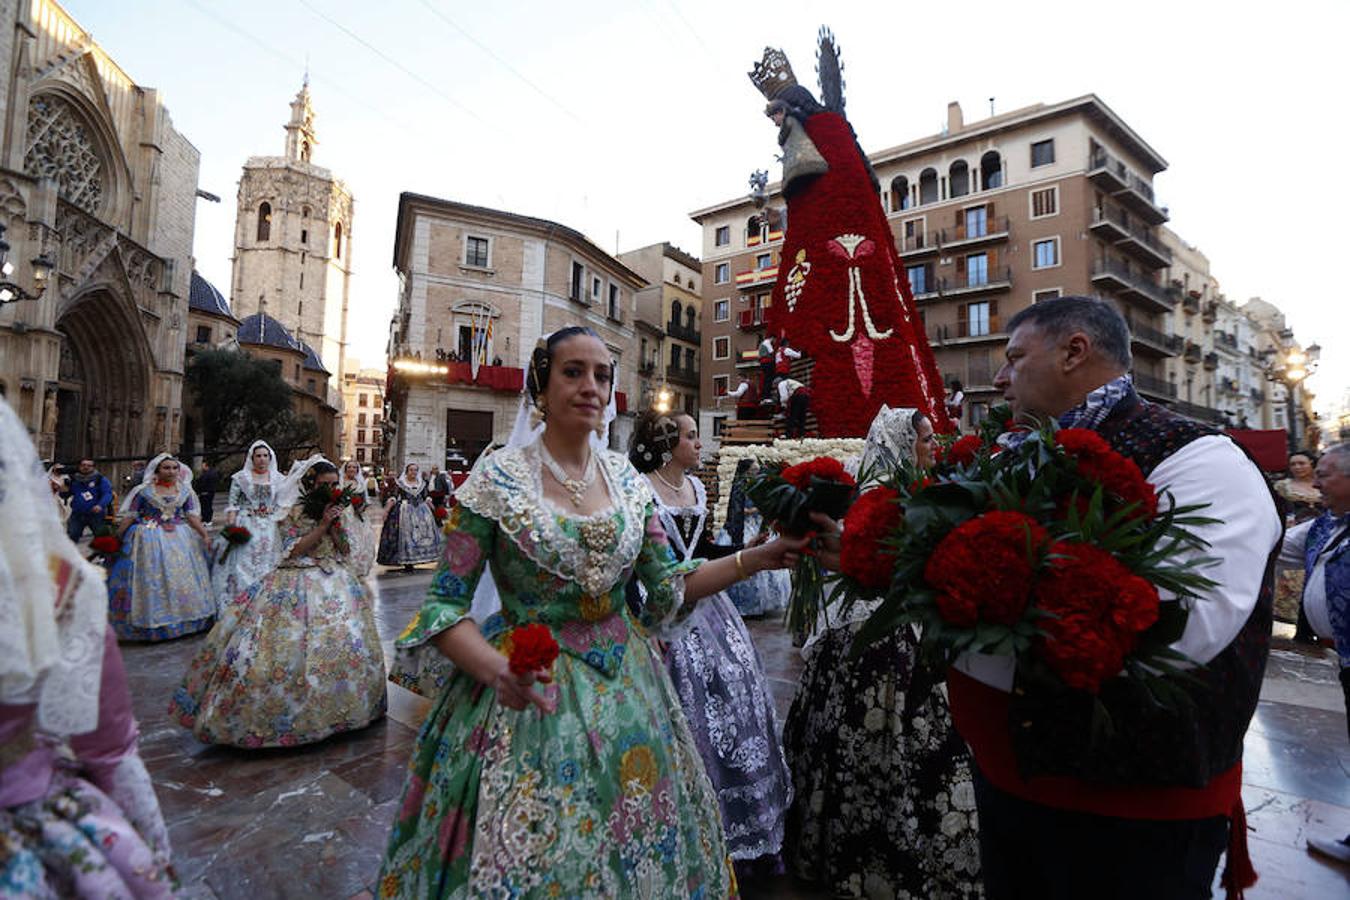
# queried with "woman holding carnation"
point(296, 658)
point(359, 533)
point(411, 533)
point(591, 786)
point(712, 660)
point(160, 588)
point(252, 506)
point(884, 804)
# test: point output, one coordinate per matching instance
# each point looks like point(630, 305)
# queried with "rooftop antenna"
point(991, 107)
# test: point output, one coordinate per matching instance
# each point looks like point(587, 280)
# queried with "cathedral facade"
point(293, 242)
point(95, 179)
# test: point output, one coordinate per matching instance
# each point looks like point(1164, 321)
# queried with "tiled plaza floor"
point(311, 822)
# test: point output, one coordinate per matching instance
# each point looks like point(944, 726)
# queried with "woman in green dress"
point(587, 784)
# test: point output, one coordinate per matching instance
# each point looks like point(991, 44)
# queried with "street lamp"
point(663, 399)
point(11, 292)
point(1290, 367)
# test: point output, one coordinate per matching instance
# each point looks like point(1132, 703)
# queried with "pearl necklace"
point(677, 488)
point(576, 487)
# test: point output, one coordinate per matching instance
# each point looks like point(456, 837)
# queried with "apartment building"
point(669, 322)
point(989, 217)
point(363, 414)
point(478, 288)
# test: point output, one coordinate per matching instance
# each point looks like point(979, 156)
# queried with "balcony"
point(1257, 395)
point(1110, 223)
point(1153, 341)
point(1200, 413)
point(1210, 312)
point(1193, 352)
point(1107, 172)
point(927, 289)
point(686, 375)
point(918, 245)
point(961, 333)
point(1139, 197)
point(1191, 303)
point(750, 319)
point(987, 230)
point(758, 238)
point(1145, 247)
point(1229, 386)
point(647, 369)
point(756, 277)
point(1117, 276)
point(1211, 361)
point(684, 332)
point(977, 282)
point(1225, 341)
point(1155, 387)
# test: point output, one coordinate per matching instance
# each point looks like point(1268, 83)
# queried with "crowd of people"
point(648, 759)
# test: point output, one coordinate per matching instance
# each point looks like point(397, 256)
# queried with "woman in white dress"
point(712, 660)
point(359, 531)
point(252, 505)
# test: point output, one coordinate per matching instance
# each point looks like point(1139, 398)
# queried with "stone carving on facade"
point(12, 204)
point(61, 148)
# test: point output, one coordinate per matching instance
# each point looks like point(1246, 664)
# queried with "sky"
point(619, 118)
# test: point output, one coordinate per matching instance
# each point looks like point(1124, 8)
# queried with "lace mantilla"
point(508, 489)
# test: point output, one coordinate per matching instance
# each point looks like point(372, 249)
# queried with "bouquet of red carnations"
point(787, 496)
point(106, 546)
point(234, 536)
point(321, 496)
point(530, 648)
point(1052, 551)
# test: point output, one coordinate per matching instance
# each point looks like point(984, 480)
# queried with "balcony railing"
point(1155, 386)
point(1211, 361)
point(1229, 386)
point(1210, 312)
point(968, 332)
point(750, 319)
point(1193, 352)
point(1165, 344)
point(683, 374)
point(916, 245)
point(1225, 340)
point(1257, 395)
point(1201, 413)
point(1119, 277)
point(1146, 247)
point(1107, 172)
point(990, 228)
point(756, 277)
point(970, 282)
point(1113, 176)
point(1190, 303)
point(1109, 221)
point(684, 332)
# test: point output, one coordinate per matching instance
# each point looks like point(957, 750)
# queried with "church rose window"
point(60, 147)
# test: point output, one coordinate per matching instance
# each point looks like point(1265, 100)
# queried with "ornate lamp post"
point(11, 292)
point(1290, 366)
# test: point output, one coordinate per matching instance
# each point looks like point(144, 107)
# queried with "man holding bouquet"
point(1149, 813)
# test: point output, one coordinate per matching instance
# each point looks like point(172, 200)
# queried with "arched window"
point(676, 311)
point(304, 151)
point(689, 318)
point(899, 193)
point(752, 227)
point(928, 186)
point(337, 240)
point(958, 178)
point(991, 171)
point(264, 221)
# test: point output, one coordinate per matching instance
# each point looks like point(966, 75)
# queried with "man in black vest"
point(1147, 812)
point(206, 484)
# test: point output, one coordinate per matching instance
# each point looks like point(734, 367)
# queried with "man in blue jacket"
point(90, 497)
point(1321, 548)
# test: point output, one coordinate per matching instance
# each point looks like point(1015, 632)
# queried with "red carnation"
point(532, 648)
point(440, 513)
point(826, 468)
point(107, 544)
point(986, 565)
point(358, 500)
point(335, 494)
point(1099, 607)
point(1118, 475)
point(874, 517)
point(236, 534)
point(964, 451)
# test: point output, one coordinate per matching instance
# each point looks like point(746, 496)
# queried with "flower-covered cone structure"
point(842, 296)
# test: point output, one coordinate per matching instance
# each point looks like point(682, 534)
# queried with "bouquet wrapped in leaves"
point(787, 497)
point(1053, 551)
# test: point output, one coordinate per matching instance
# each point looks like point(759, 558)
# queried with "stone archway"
point(105, 378)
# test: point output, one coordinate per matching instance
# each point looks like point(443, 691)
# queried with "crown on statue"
point(773, 74)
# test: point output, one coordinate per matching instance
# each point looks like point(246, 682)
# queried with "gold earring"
point(538, 414)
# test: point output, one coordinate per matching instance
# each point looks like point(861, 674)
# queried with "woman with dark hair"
point(252, 505)
point(296, 658)
point(1305, 502)
point(160, 588)
point(884, 803)
point(712, 660)
point(590, 783)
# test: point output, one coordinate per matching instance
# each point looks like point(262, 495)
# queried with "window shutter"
point(993, 316)
point(962, 320)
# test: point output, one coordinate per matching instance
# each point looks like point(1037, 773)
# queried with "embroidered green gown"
point(606, 796)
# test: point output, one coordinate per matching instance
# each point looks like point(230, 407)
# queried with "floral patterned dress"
point(294, 659)
point(160, 588)
point(246, 564)
point(720, 681)
point(604, 797)
point(884, 805)
point(410, 534)
point(79, 818)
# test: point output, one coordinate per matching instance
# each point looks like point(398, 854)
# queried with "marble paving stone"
point(313, 821)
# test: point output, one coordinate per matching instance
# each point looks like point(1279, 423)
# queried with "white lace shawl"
point(244, 477)
point(53, 602)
